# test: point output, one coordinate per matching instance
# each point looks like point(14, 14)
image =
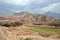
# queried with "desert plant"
point(28, 38)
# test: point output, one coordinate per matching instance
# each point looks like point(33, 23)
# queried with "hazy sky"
point(36, 6)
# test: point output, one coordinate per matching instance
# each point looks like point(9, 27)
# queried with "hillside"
point(30, 18)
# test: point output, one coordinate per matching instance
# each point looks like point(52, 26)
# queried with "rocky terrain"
point(15, 33)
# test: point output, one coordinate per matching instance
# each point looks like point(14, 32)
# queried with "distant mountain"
point(5, 13)
point(55, 15)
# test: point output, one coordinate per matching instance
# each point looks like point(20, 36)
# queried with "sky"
point(35, 6)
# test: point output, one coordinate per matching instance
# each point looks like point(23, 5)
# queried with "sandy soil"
point(15, 33)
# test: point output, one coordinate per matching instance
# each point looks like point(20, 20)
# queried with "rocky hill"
point(29, 18)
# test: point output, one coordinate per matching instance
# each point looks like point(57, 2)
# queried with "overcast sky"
point(36, 6)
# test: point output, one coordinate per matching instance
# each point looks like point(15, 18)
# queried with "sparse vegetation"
point(28, 38)
point(37, 24)
point(11, 24)
point(45, 32)
point(55, 23)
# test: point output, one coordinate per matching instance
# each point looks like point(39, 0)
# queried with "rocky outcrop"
point(29, 18)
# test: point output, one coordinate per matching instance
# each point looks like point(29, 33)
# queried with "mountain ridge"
point(27, 17)
point(52, 14)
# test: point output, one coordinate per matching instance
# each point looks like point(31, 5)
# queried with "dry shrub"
point(6, 24)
